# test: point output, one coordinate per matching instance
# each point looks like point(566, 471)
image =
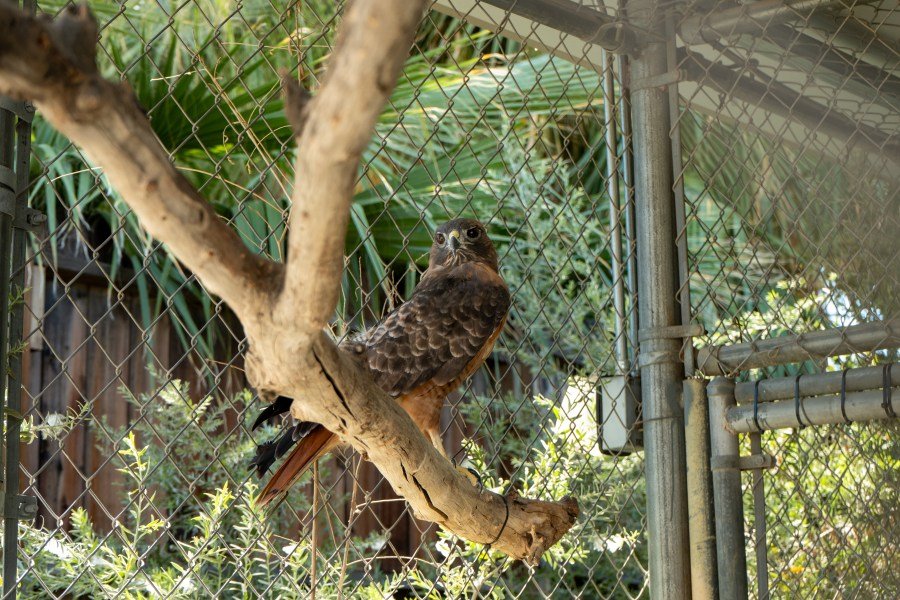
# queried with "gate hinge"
point(742, 463)
point(29, 219)
point(26, 507)
point(23, 110)
point(662, 80)
point(24, 217)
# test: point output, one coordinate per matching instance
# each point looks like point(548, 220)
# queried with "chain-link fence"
point(789, 126)
point(127, 376)
point(135, 412)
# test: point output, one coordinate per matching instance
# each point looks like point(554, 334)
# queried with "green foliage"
point(559, 269)
point(15, 298)
point(211, 92)
point(766, 210)
point(550, 450)
point(190, 528)
point(831, 506)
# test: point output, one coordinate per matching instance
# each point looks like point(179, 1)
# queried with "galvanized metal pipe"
point(684, 274)
point(729, 506)
point(752, 17)
point(759, 522)
point(784, 388)
point(9, 485)
point(880, 85)
point(846, 32)
point(627, 166)
point(15, 154)
point(661, 369)
point(584, 22)
point(820, 410)
point(723, 360)
point(13, 511)
point(701, 516)
point(615, 214)
point(777, 98)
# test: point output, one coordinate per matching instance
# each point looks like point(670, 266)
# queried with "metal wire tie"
point(844, 396)
point(671, 332)
point(756, 405)
point(660, 357)
point(887, 390)
point(505, 521)
point(797, 402)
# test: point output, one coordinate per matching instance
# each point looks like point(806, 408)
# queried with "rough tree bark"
point(283, 308)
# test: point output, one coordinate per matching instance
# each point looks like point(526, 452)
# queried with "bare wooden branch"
point(52, 64)
point(283, 314)
point(372, 45)
point(296, 101)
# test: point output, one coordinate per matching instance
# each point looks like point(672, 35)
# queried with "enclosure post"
point(729, 509)
point(701, 518)
point(615, 214)
point(15, 157)
point(7, 212)
point(659, 357)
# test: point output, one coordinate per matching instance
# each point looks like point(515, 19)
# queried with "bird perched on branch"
point(418, 354)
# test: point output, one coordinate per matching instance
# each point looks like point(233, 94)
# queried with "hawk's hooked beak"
point(454, 240)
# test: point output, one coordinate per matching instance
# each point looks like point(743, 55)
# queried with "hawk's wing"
point(436, 334)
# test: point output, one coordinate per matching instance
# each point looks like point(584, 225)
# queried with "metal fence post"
point(701, 518)
point(15, 506)
point(15, 157)
point(7, 213)
point(615, 214)
point(731, 554)
point(661, 367)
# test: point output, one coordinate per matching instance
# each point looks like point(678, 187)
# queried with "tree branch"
point(372, 45)
point(53, 65)
point(372, 422)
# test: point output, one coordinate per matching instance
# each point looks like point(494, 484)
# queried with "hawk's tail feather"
point(268, 452)
point(314, 444)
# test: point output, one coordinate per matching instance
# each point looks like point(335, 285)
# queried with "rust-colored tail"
point(313, 445)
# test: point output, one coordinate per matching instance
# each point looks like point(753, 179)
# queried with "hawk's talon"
point(478, 481)
point(472, 475)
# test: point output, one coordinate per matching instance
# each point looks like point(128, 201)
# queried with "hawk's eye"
point(440, 239)
point(473, 233)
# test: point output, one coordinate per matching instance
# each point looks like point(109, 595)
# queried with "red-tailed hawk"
point(419, 353)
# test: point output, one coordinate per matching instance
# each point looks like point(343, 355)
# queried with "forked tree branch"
point(282, 311)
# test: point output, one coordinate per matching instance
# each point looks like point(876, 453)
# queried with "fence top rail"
point(729, 359)
point(865, 406)
point(786, 388)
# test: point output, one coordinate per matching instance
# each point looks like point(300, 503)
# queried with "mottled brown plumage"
point(425, 348)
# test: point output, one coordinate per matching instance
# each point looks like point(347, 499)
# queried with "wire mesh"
point(789, 122)
point(137, 439)
point(135, 435)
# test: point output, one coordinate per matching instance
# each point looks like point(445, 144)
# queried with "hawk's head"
point(460, 241)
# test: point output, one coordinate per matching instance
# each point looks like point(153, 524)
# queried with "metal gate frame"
point(16, 220)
